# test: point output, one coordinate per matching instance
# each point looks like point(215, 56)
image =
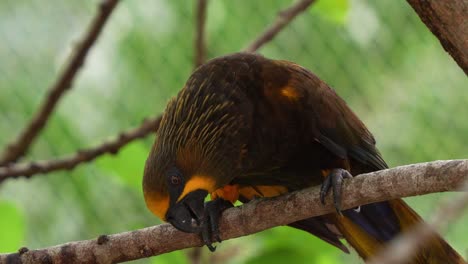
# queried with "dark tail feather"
point(367, 228)
point(435, 251)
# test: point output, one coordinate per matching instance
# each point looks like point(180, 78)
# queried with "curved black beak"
point(187, 215)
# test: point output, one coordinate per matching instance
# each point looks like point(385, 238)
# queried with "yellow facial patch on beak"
point(157, 204)
point(198, 182)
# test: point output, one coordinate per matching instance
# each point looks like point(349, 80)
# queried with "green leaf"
point(11, 227)
point(128, 165)
point(178, 256)
point(278, 255)
point(333, 10)
point(286, 244)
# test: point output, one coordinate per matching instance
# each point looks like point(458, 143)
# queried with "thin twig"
point(194, 255)
point(200, 46)
point(20, 145)
point(404, 247)
point(255, 216)
point(284, 17)
point(70, 162)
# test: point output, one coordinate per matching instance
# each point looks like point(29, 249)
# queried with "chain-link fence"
point(377, 54)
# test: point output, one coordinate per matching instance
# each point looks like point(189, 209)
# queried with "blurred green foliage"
point(127, 164)
point(12, 223)
point(376, 54)
point(333, 10)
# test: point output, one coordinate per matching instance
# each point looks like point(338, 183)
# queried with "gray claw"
point(334, 181)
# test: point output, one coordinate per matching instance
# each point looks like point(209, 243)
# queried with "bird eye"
point(175, 180)
point(174, 177)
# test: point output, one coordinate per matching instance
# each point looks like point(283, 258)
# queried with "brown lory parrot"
point(245, 126)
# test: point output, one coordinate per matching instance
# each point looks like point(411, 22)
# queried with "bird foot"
point(210, 223)
point(334, 181)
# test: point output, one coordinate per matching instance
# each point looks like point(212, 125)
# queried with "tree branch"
point(20, 145)
point(284, 17)
point(255, 216)
point(448, 22)
point(200, 45)
point(70, 162)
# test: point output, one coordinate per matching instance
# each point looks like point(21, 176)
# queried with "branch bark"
point(20, 145)
point(284, 17)
point(448, 21)
point(70, 162)
point(200, 46)
point(255, 216)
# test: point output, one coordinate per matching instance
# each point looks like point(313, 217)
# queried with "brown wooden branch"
point(70, 162)
point(200, 46)
point(255, 216)
point(20, 145)
point(403, 247)
point(448, 21)
point(284, 17)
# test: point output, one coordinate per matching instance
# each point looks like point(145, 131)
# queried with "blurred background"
point(378, 56)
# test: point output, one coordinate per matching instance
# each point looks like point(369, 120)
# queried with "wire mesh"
point(379, 57)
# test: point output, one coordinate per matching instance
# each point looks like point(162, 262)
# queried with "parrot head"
point(198, 149)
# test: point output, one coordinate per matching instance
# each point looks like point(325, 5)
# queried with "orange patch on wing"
point(198, 182)
point(227, 192)
point(232, 192)
point(325, 173)
point(250, 192)
point(289, 92)
point(157, 204)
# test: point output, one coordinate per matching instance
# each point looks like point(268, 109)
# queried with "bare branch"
point(200, 46)
point(68, 163)
point(284, 17)
point(255, 216)
point(402, 248)
point(448, 22)
point(195, 254)
point(20, 145)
